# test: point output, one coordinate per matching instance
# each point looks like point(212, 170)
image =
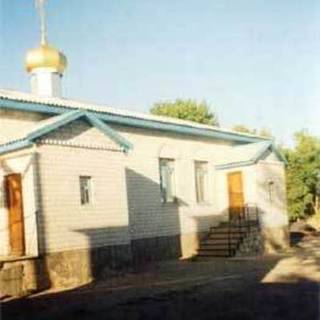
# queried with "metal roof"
point(52, 105)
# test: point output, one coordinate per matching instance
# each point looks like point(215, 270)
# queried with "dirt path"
point(281, 287)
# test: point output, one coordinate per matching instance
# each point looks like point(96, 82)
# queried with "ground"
point(282, 287)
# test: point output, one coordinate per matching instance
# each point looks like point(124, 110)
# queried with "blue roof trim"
point(260, 155)
point(262, 152)
point(14, 146)
point(61, 121)
point(279, 154)
point(269, 147)
point(75, 115)
point(32, 107)
point(175, 128)
point(132, 121)
point(234, 165)
point(109, 132)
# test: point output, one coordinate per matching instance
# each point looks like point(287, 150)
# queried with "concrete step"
point(235, 224)
point(220, 241)
point(225, 236)
point(227, 229)
point(223, 240)
point(215, 253)
point(218, 246)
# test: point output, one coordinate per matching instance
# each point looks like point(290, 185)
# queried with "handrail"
point(229, 244)
point(247, 217)
point(252, 214)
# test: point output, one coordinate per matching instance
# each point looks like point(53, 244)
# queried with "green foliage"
point(303, 176)
point(263, 132)
point(187, 110)
point(244, 129)
point(266, 133)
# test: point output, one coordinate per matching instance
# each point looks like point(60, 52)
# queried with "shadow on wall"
point(154, 226)
point(42, 277)
point(121, 248)
point(191, 242)
point(153, 233)
point(159, 230)
point(99, 261)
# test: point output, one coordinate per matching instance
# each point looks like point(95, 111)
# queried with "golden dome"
point(46, 57)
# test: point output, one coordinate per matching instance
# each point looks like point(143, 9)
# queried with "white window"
point(167, 180)
point(85, 190)
point(201, 176)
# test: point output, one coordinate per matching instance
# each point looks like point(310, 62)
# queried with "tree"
point(244, 129)
point(303, 176)
point(187, 110)
point(264, 132)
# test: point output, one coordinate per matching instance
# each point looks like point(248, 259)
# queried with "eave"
point(131, 121)
point(60, 121)
point(260, 155)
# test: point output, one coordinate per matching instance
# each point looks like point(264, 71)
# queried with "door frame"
point(22, 251)
point(238, 212)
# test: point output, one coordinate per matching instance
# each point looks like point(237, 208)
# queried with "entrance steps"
point(226, 239)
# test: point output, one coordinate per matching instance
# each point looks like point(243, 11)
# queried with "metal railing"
point(244, 219)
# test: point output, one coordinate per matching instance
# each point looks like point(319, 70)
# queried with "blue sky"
point(257, 62)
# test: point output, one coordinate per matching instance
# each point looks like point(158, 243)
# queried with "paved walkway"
point(277, 287)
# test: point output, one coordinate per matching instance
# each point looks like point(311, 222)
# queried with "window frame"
point(198, 165)
point(86, 191)
point(170, 164)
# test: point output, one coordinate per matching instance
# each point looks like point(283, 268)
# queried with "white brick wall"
point(148, 216)
point(256, 190)
point(65, 223)
point(135, 175)
point(12, 122)
point(126, 187)
point(81, 134)
point(273, 206)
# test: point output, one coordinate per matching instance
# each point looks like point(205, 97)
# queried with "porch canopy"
point(248, 154)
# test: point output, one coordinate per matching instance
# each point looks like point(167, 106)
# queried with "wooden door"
point(236, 197)
point(13, 185)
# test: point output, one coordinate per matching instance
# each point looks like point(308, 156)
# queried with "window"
point(85, 190)
point(201, 175)
point(270, 189)
point(167, 180)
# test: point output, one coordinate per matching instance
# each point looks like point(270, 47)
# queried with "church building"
point(84, 187)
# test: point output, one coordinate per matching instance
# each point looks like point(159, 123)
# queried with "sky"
point(256, 62)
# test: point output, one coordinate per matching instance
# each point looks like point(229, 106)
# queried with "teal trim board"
point(14, 146)
point(132, 121)
point(60, 121)
point(109, 132)
point(266, 149)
